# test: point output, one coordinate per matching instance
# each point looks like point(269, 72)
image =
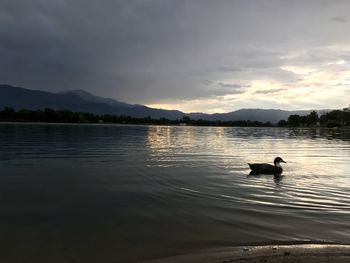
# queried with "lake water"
point(113, 193)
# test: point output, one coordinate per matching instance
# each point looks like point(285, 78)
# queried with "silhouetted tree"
point(282, 123)
point(294, 120)
point(186, 119)
point(312, 118)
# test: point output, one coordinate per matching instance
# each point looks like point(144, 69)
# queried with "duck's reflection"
point(277, 177)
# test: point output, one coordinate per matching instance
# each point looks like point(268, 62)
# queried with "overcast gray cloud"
point(157, 51)
point(269, 91)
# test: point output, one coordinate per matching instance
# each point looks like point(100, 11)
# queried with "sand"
point(313, 253)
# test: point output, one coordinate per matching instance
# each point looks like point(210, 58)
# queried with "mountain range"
point(82, 101)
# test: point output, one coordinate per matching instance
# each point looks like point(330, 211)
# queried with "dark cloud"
point(269, 91)
point(222, 89)
point(146, 51)
point(207, 82)
point(228, 85)
point(228, 69)
point(110, 45)
point(340, 19)
point(320, 56)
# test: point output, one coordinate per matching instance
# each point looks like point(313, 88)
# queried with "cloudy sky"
point(191, 55)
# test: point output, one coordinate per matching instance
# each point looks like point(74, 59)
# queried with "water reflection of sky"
point(159, 138)
point(310, 154)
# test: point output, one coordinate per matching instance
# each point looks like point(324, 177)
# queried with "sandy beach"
point(313, 253)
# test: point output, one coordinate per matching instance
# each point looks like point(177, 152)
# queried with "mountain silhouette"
point(83, 101)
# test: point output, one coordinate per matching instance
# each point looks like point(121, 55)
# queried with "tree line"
point(66, 116)
point(331, 119)
point(334, 118)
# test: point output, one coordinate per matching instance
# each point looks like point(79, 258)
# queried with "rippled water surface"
point(100, 193)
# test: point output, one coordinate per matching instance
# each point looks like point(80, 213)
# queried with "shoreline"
point(313, 253)
point(345, 128)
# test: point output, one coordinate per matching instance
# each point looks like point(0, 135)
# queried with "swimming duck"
point(265, 168)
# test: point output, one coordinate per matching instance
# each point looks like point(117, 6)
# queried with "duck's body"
point(265, 168)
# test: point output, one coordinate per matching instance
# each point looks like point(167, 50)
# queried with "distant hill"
point(82, 101)
point(261, 115)
point(92, 98)
point(77, 100)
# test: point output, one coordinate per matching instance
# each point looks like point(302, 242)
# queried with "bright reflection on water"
point(90, 193)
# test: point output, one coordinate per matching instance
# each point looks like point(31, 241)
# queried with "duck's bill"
point(283, 161)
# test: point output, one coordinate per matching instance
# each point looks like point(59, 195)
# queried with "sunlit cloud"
point(320, 87)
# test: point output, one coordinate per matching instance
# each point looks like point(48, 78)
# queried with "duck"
point(265, 168)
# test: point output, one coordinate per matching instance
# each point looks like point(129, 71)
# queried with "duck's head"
point(278, 160)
